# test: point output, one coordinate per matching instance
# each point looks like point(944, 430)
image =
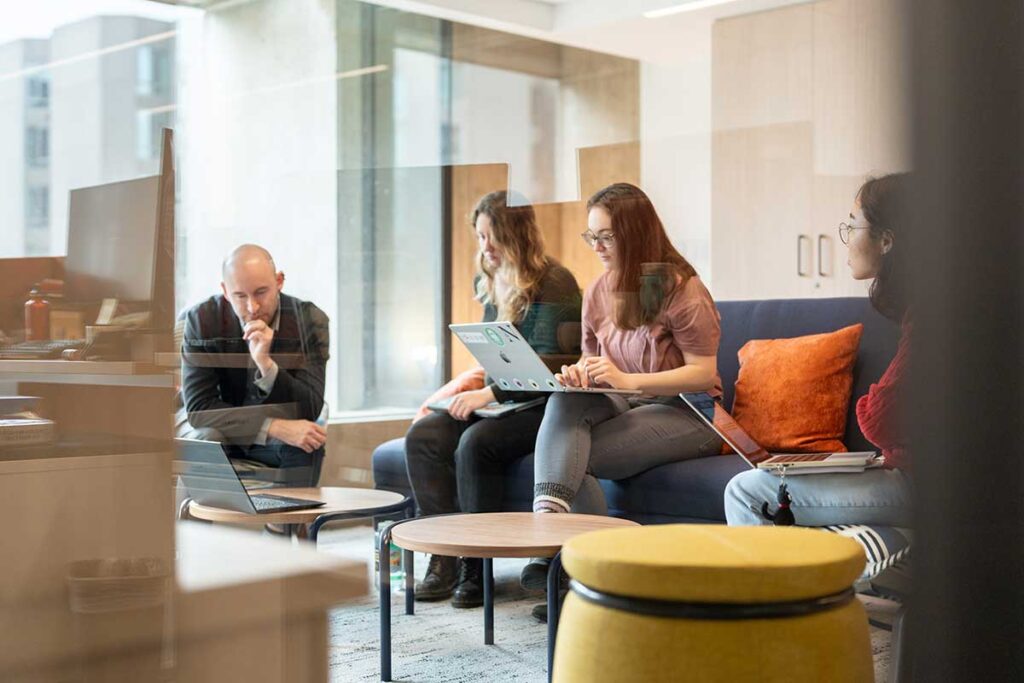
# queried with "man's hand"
point(463, 405)
point(603, 371)
point(260, 337)
point(309, 436)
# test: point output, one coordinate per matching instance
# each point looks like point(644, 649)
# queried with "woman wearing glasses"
point(650, 325)
point(456, 461)
point(879, 496)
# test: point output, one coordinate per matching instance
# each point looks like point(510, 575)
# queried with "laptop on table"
point(211, 480)
point(512, 363)
point(715, 416)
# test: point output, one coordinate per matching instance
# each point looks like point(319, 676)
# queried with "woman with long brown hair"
point(649, 324)
point(456, 461)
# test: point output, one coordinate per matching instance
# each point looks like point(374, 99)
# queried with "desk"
point(242, 608)
point(251, 608)
point(341, 503)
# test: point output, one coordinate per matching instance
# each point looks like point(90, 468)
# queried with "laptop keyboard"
point(810, 457)
point(265, 503)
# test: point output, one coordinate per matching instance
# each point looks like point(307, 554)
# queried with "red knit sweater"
point(880, 411)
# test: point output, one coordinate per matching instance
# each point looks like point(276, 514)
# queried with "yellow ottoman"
point(693, 602)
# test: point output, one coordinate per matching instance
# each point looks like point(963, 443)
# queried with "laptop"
point(211, 480)
point(511, 361)
point(715, 416)
point(492, 409)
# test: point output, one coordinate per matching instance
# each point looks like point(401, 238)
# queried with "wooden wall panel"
point(350, 446)
point(762, 68)
point(861, 88)
point(606, 164)
point(468, 184)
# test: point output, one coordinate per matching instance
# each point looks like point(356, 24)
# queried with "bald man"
point(253, 366)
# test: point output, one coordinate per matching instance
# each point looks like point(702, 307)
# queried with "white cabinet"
point(808, 101)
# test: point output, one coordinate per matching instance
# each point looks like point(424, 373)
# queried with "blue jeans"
point(877, 496)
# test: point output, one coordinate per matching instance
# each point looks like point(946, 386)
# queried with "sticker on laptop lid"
point(472, 337)
point(493, 336)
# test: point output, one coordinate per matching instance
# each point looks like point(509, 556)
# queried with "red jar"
point(37, 317)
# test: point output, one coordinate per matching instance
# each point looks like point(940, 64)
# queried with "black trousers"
point(457, 466)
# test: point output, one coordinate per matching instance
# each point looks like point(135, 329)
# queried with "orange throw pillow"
point(470, 380)
point(792, 395)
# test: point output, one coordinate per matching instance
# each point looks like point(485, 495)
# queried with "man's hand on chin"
point(260, 337)
point(309, 436)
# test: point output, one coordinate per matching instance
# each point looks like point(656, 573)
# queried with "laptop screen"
point(712, 412)
point(209, 477)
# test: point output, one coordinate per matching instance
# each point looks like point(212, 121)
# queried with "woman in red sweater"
point(878, 496)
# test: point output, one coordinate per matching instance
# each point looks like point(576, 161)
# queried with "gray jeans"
point(588, 436)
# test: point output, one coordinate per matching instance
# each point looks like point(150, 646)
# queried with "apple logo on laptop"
point(505, 358)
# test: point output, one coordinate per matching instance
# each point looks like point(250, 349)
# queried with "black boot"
point(439, 581)
point(469, 592)
point(540, 612)
point(534, 576)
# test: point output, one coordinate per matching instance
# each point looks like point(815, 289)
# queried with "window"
point(37, 146)
point(37, 209)
point(38, 92)
point(153, 75)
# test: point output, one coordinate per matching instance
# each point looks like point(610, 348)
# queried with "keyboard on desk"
point(46, 349)
point(281, 503)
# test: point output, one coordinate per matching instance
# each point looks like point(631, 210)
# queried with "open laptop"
point(211, 480)
point(511, 362)
point(716, 417)
point(493, 409)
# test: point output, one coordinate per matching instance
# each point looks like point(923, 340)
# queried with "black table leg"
point(554, 584)
point(410, 582)
point(488, 601)
point(384, 589)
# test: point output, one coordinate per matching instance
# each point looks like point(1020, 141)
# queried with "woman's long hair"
point(517, 236)
point(649, 267)
point(882, 201)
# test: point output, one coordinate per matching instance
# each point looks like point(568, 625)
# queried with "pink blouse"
point(688, 322)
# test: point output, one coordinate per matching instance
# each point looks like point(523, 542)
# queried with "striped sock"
point(550, 504)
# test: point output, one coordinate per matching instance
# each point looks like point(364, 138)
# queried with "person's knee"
point(290, 456)
point(420, 437)
point(476, 444)
point(741, 496)
point(201, 433)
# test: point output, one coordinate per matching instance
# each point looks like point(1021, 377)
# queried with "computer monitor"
point(112, 239)
point(121, 239)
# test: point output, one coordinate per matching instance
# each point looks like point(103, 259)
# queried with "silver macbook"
point(211, 480)
point(716, 417)
point(511, 361)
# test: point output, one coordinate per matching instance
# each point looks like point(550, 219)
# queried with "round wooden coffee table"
point(339, 503)
point(484, 535)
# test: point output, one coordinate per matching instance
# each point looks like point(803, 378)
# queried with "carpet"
point(440, 644)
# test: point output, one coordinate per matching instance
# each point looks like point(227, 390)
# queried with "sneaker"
point(469, 591)
point(534, 576)
point(439, 581)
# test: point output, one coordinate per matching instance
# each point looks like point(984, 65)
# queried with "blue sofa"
point(691, 491)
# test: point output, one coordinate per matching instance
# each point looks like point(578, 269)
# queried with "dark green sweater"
point(557, 303)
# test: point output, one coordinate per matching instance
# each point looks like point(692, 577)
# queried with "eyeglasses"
point(845, 229)
point(606, 239)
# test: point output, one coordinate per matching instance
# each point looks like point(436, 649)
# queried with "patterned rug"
point(440, 644)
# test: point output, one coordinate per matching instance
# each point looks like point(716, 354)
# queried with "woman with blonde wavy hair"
point(456, 461)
